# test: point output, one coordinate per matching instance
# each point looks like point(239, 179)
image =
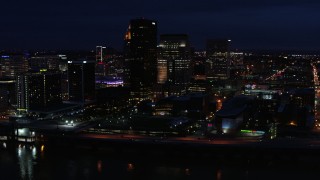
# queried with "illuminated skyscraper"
point(162, 71)
point(140, 57)
point(100, 53)
point(174, 59)
point(100, 61)
point(218, 59)
point(37, 91)
point(81, 80)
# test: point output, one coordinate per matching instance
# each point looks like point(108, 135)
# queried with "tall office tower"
point(199, 80)
point(100, 53)
point(141, 57)
point(237, 68)
point(63, 68)
point(11, 65)
point(81, 81)
point(218, 59)
point(7, 94)
point(174, 52)
point(199, 69)
point(100, 63)
point(162, 67)
point(38, 90)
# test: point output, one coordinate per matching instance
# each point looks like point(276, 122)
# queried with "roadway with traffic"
point(300, 143)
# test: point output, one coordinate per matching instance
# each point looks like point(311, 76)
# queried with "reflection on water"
point(26, 160)
point(188, 172)
point(31, 162)
point(99, 166)
point(219, 176)
point(130, 167)
point(42, 148)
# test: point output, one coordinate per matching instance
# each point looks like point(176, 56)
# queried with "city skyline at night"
point(160, 89)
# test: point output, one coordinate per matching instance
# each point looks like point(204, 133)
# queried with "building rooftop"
point(234, 106)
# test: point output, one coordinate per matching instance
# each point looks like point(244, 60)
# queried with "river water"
point(40, 162)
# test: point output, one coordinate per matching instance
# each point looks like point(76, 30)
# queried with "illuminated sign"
point(252, 131)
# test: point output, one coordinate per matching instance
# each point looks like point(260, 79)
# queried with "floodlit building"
point(174, 59)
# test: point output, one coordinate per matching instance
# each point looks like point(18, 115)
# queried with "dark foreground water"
point(41, 162)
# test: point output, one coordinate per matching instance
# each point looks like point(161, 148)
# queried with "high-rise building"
point(100, 53)
point(11, 65)
point(162, 67)
point(63, 68)
point(174, 59)
point(218, 59)
point(100, 61)
point(199, 80)
point(81, 80)
point(7, 94)
point(237, 70)
point(141, 57)
point(38, 90)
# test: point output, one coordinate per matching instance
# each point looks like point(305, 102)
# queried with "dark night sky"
point(83, 24)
